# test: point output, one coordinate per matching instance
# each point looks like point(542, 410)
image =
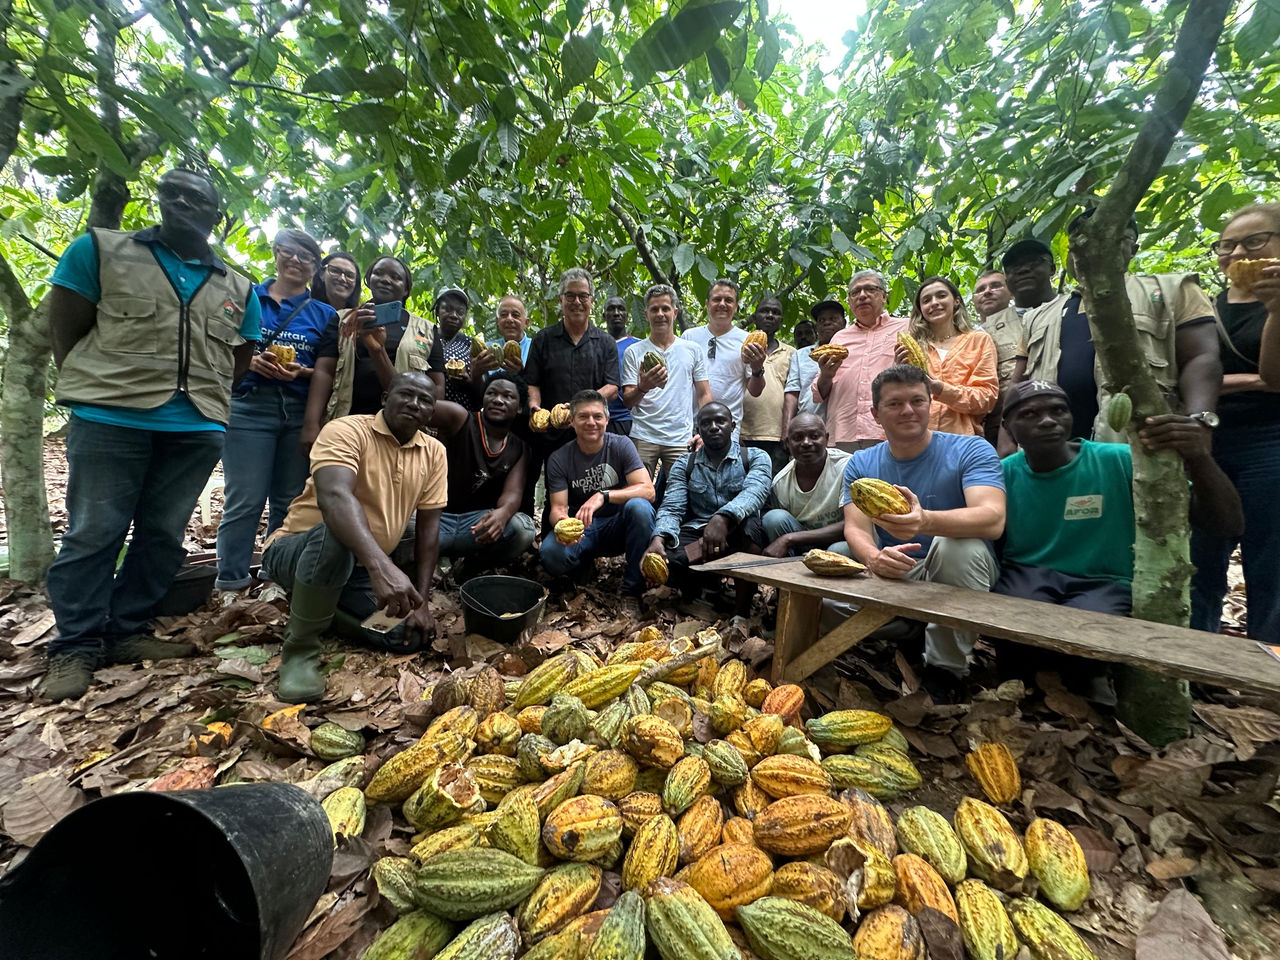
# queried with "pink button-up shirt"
point(849, 416)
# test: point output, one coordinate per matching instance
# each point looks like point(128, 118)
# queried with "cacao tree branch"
point(636, 234)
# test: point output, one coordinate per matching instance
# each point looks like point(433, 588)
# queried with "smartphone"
point(385, 313)
point(381, 622)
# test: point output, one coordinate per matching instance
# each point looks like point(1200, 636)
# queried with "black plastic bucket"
point(485, 600)
point(226, 872)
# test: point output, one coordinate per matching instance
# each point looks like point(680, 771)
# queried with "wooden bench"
point(1191, 654)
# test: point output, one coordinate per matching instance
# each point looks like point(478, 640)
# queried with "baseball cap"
point(451, 291)
point(831, 301)
point(1027, 389)
point(1025, 249)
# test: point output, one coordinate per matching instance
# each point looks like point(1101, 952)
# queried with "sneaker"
point(140, 647)
point(68, 677)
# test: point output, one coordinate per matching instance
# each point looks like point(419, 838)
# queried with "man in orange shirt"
point(845, 386)
point(370, 475)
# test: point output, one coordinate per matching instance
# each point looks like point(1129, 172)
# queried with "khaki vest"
point(1005, 328)
point(1152, 299)
point(147, 344)
point(413, 353)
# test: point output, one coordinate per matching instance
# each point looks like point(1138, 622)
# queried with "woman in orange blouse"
point(962, 360)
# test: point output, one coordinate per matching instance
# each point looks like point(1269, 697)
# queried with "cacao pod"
point(465, 884)
point(758, 337)
point(560, 416)
point(916, 355)
point(870, 823)
point(403, 773)
point(686, 781)
point(992, 846)
point(653, 567)
point(785, 701)
point(841, 729)
point(637, 808)
point(345, 810)
point(877, 497)
point(511, 351)
point(565, 719)
point(682, 924)
point(395, 877)
point(928, 835)
point(650, 360)
point(782, 929)
point(455, 369)
point(821, 353)
point(749, 800)
point(987, 930)
point(794, 743)
point(652, 741)
point(477, 346)
point(331, 742)
point(282, 352)
point(730, 875)
point(582, 828)
point(414, 934)
point(569, 530)
point(889, 933)
point(621, 935)
point(495, 776)
point(885, 776)
point(597, 687)
point(828, 563)
point(993, 766)
point(449, 793)
point(809, 883)
point(498, 733)
point(699, 828)
point(801, 826)
point(755, 692)
point(610, 774)
point(738, 830)
point(545, 680)
point(565, 893)
point(462, 836)
point(461, 719)
point(1058, 863)
point(516, 828)
point(654, 853)
point(783, 775)
point(1245, 273)
point(1046, 934)
point(540, 421)
point(490, 938)
point(920, 886)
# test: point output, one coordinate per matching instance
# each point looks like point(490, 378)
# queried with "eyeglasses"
point(301, 256)
point(859, 291)
point(711, 349)
point(339, 274)
point(577, 297)
point(1252, 243)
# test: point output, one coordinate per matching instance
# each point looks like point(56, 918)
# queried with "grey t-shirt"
point(665, 415)
point(584, 475)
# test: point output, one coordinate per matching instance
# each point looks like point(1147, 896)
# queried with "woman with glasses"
point(263, 458)
point(962, 361)
point(337, 283)
point(1246, 441)
point(369, 356)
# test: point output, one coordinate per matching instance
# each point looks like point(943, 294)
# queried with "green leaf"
point(682, 258)
point(538, 147)
point(1260, 33)
point(369, 119)
point(595, 184)
point(671, 42)
point(719, 69)
point(578, 60)
point(768, 52)
point(509, 142)
point(707, 269)
point(461, 161)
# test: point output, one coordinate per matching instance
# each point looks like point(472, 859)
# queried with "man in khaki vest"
point(150, 328)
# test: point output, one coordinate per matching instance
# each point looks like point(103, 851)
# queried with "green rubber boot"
point(311, 611)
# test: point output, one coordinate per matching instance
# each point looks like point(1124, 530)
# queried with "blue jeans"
point(457, 540)
point(1250, 456)
point(263, 460)
point(628, 531)
point(777, 522)
point(317, 557)
point(117, 476)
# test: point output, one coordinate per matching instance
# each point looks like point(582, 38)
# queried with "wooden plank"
point(798, 615)
point(819, 654)
point(1177, 651)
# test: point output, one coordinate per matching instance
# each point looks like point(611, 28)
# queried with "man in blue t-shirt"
point(955, 490)
point(615, 321)
point(598, 478)
point(150, 328)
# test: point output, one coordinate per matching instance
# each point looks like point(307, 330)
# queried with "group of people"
point(381, 441)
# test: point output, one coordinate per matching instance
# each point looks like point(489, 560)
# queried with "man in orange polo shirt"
point(370, 475)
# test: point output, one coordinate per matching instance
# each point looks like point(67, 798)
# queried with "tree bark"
point(1157, 708)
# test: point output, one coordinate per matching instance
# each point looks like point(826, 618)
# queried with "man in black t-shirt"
point(599, 479)
point(481, 522)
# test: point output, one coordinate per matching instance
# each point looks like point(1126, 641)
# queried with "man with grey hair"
point(662, 396)
point(731, 366)
point(845, 385)
point(565, 358)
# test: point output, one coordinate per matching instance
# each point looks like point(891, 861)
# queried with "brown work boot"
point(141, 647)
point(68, 677)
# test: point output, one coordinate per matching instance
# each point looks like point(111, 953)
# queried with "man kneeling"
point(959, 477)
point(598, 478)
point(806, 493)
point(369, 475)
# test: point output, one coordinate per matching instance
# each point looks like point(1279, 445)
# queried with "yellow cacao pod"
point(756, 692)
point(560, 416)
point(687, 780)
point(654, 853)
point(916, 355)
point(597, 687)
point(346, 811)
point(455, 369)
point(877, 497)
point(730, 875)
point(994, 851)
point(870, 823)
point(561, 896)
point(1058, 863)
point(652, 741)
point(699, 828)
point(1245, 273)
point(993, 766)
point(749, 800)
point(738, 830)
point(511, 351)
point(1046, 934)
point(889, 933)
point(403, 773)
point(653, 567)
point(498, 733)
point(841, 729)
point(610, 774)
point(758, 337)
point(828, 563)
point(927, 834)
point(801, 826)
point(461, 836)
point(819, 354)
point(569, 530)
point(809, 883)
point(987, 930)
point(637, 808)
point(540, 421)
point(783, 775)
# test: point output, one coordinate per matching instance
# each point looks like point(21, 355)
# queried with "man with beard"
point(806, 493)
point(370, 475)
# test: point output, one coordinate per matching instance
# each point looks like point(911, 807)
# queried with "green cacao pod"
point(601, 685)
point(1046, 934)
point(682, 924)
point(650, 360)
point(448, 794)
point(841, 729)
point(927, 834)
point(490, 938)
point(606, 728)
point(1058, 863)
point(564, 894)
point(727, 767)
point(782, 929)
point(566, 719)
point(465, 884)
point(329, 741)
point(395, 877)
point(545, 680)
point(621, 936)
point(1119, 412)
point(987, 930)
point(687, 780)
point(531, 753)
point(886, 775)
point(414, 934)
point(516, 828)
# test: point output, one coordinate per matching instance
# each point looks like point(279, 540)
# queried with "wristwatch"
point(757, 373)
point(605, 496)
point(1207, 418)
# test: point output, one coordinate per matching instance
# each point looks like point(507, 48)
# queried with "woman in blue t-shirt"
point(263, 458)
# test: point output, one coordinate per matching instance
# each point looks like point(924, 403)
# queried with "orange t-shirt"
point(970, 383)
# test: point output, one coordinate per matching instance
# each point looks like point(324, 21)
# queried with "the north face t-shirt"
point(584, 475)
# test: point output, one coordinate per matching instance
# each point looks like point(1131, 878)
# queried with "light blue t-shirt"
point(77, 271)
point(800, 376)
point(725, 371)
point(618, 410)
point(665, 415)
point(938, 476)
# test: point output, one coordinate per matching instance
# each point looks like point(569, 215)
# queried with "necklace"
point(484, 438)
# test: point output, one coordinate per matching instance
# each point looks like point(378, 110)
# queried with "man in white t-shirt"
point(732, 368)
point(663, 398)
point(805, 501)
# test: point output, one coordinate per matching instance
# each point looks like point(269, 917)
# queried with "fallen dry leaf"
point(37, 805)
point(1171, 868)
point(1181, 930)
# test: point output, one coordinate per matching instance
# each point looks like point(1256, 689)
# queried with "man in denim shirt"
point(712, 504)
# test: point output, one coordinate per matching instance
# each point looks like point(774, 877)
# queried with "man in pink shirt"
point(845, 386)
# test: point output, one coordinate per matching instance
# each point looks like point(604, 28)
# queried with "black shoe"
point(68, 677)
point(943, 686)
point(141, 647)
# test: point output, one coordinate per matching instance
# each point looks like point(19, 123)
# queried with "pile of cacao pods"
point(574, 815)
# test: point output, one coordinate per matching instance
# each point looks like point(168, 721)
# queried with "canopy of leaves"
point(493, 145)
